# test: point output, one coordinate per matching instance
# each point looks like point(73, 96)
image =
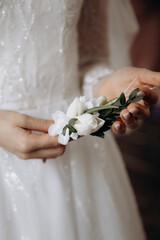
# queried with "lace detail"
point(35, 38)
point(92, 76)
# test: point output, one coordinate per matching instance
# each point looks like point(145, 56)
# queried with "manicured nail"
point(127, 116)
point(117, 126)
point(134, 110)
point(152, 88)
point(140, 94)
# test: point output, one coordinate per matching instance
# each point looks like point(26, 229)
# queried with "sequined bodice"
point(38, 51)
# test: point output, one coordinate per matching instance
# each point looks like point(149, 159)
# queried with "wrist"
point(94, 78)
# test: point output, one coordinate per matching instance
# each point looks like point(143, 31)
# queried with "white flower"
point(83, 99)
point(92, 103)
point(87, 124)
point(76, 108)
point(64, 139)
point(60, 120)
point(88, 104)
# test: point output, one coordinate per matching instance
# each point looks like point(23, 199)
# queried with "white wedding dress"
point(85, 194)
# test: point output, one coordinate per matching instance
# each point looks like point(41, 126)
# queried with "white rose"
point(60, 120)
point(92, 103)
point(76, 108)
point(64, 139)
point(87, 124)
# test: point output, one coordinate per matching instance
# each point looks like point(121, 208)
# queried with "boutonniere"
point(89, 117)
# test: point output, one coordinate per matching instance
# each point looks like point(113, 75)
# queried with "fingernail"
point(134, 110)
point(152, 88)
point(117, 126)
point(140, 94)
point(127, 116)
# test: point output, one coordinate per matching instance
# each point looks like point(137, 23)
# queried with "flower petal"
point(58, 115)
point(64, 139)
point(54, 130)
point(75, 108)
point(87, 124)
point(92, 103)
point(74, 136)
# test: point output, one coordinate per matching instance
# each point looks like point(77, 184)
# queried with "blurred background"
point(141, 149)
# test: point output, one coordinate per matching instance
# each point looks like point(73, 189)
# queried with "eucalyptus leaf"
point(105, 113)
point(97, 109)
point(137, 99)
point(71, 129)
point(113, 118)
point(122, 99)
point(133, 94)
point(98, 134)
point(117, 103)
point(64, 130)
point(72, 121)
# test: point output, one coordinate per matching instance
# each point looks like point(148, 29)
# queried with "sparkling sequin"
point(29, 49)
point(96, 145)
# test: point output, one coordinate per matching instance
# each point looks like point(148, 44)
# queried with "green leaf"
point(117, 103)
point(64, 130)
point(122, 99)
point(137, 99)
point(105, 113)
point(106, 126)
point(98, 134)
point(72, 121)
point(71, 129)
point(113, 118)
point(133, 94)
point(108, 123)
point(97, 109)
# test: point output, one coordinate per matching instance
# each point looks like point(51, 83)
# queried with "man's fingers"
point(36, 124)
point(150, 77)
point(128, 119)
point(138, 111)
point(118, 127)
point(150, 96)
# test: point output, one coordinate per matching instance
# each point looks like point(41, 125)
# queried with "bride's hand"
point(117, 82)
point(17, 137)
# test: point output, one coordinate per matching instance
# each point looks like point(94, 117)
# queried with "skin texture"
point(17, 130)
point(16, 136)
point(115, 83)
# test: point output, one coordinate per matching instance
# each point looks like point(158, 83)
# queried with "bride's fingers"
point(32, 141)
point(150, 96)
point(37, 124)
point(43, 153)
point(118, 127)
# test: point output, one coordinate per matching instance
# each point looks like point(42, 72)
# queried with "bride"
point(83, 191)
